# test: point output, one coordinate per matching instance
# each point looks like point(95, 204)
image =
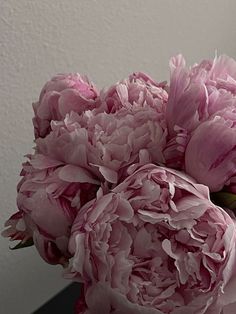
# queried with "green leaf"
point(224, 199)
point(22, 244)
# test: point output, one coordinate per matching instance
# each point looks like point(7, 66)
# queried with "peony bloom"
point(211, 159)
point(201, 118)
point(155, 244)
point(83, 151)
point(102, 145)
point(48, 203)
point(138, 88)
point(62, 94)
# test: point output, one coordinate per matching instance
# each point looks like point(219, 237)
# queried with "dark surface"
point(63, 302)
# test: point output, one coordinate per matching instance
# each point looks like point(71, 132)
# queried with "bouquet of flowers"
point(132, 189)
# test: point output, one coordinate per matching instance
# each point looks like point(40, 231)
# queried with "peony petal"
point(109, 174)
point(72, 173)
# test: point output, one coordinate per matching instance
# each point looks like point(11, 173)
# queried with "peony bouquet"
point(132, 190)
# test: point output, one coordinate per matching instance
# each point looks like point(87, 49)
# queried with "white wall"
point(106, 40)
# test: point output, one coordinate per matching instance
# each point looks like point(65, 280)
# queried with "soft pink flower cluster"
point(100, 195)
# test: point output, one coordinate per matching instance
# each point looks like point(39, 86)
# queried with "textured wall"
point(106, 40)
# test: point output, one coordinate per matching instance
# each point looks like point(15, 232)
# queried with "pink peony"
point(201, 118)
point(102, 145)
point(211, 159)
point(83, 151)
point(138, 88)
point(155, 244)
point(48, 204)
point(61, 95)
